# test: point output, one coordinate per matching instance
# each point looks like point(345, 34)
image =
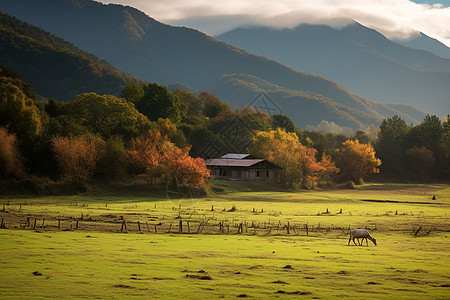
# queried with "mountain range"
point(143, 47)
point(357, 57)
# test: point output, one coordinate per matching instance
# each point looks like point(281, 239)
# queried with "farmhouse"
point(244, 167)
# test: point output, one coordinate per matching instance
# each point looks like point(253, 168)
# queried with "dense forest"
point(159, 136)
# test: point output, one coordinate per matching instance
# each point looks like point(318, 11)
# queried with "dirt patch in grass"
point(293, 293)
point(201, 277)
point(123, 286)
point(279, 282)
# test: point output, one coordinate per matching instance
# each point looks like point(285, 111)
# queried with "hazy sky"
point(393, 18)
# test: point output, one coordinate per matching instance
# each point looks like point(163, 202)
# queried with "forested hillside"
point(53, 66)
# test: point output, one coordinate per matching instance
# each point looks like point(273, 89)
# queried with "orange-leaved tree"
point(356, 160)
point(10, 158)
point(145, 155)
point(183, 170)
point(299, 162)
point(154, 156)
point(76, 157)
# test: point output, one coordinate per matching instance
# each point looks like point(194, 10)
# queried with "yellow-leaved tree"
point(356, 160)
point(300, 165)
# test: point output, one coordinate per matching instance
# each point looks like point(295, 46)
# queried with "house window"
point(257, 173)
point(267, 173)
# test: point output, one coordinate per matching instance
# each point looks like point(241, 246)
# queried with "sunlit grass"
point(106, 265)
point(91, 263)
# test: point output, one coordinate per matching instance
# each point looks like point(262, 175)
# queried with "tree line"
point(157, 135)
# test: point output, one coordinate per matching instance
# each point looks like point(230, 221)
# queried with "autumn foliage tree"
point(145, 155)
point(299, 162)
point(356, 160)
point(76, 157)
point(153, 156)
point(10, 158)
point(183, 170)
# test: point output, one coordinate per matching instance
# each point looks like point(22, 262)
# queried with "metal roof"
point(230, 162)
point(235, 156)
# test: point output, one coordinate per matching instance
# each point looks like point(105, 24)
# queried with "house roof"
point(237, 156)
point(230, 162)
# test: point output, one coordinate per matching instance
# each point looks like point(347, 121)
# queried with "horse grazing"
point(361, 234)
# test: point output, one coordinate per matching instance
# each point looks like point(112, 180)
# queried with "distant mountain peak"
point(422, 41)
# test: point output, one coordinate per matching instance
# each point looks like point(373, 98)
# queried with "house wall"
point(245, 173)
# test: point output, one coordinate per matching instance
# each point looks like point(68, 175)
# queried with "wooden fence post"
point(156, 231)
point(181, 227)
point(139, 226)
point(28, 221)
point(34, 225)
point(189, 229)
point(43, 220)
point(307, 229)
point(417, 232)
point(59, 224)
point(76, 226)
point(148, 228)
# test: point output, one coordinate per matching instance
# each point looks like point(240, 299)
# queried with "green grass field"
point(98, 261)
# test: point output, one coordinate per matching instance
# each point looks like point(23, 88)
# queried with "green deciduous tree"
point(166, 127)
point(157, 102)
point(132, 92)
point(112, 165)
point(212, 106)
point(19, 112)
point(108, 116)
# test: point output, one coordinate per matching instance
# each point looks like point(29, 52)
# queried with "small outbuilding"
point(236, 166)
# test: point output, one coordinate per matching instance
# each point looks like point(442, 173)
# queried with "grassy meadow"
point(97, 260)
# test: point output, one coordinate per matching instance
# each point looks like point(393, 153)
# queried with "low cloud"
point(399, 19)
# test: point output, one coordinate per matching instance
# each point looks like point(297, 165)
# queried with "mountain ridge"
point(230, 86)
point(424, 42)
point(357, 57)
point(157, 52)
